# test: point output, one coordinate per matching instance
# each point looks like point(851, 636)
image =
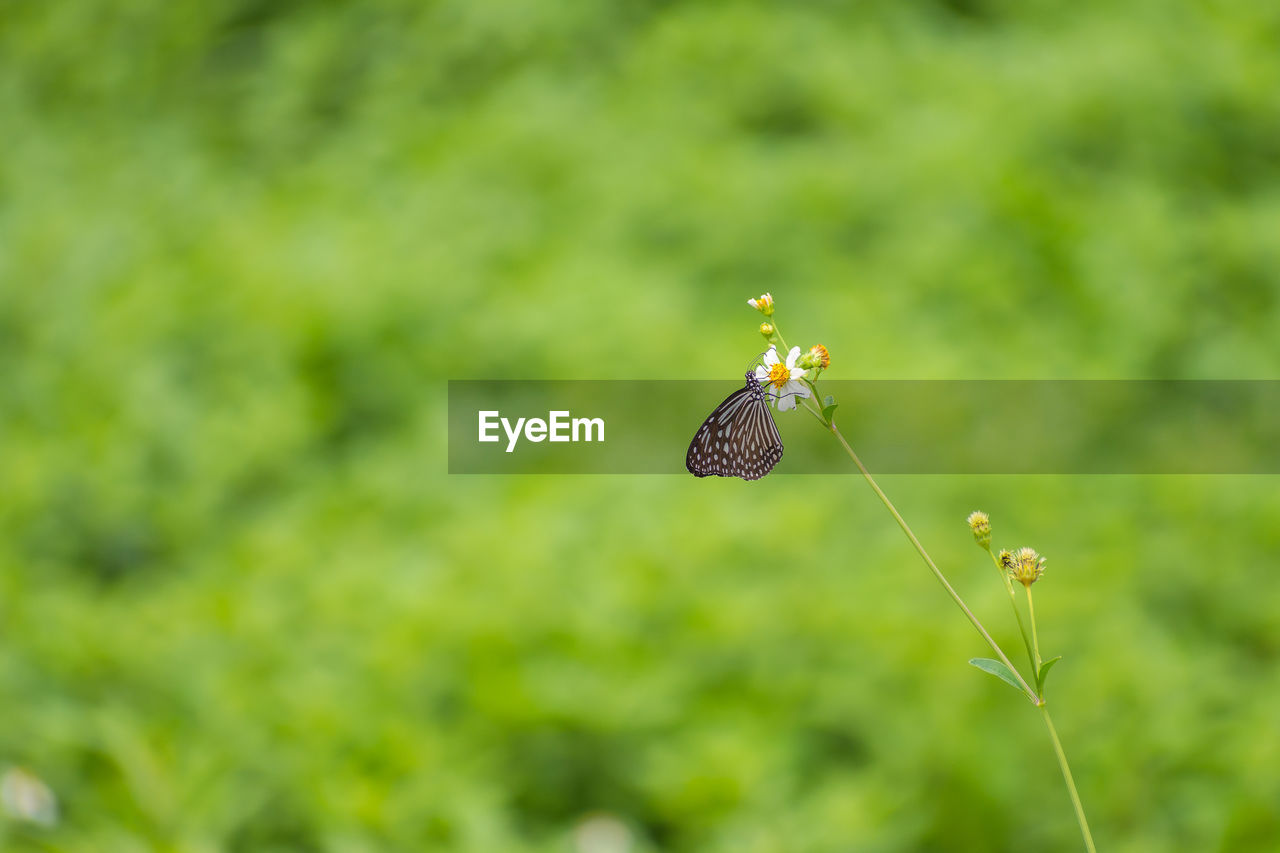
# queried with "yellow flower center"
point(778, 375)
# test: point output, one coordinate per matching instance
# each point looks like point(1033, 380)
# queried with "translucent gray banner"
point(897, 427)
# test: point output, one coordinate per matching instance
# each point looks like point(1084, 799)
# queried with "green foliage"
point(243, 245)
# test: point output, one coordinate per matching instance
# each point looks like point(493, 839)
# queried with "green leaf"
point(829, 405)
point(999, 670)
point(1044, 670)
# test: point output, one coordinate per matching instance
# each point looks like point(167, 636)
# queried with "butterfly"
point(738, 439)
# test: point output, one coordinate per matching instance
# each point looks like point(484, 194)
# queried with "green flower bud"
point(980, 524)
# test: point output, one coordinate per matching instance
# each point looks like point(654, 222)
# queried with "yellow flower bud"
point(817, 358)
point(766, 329)
point(1025, 566)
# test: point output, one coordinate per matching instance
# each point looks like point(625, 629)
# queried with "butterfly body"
point(738, 439)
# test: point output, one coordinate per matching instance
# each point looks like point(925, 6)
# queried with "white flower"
point(762, 303)
point(25, 796)
point(782, 381)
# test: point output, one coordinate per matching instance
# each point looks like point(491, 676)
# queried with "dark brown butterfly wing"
point(738, 439)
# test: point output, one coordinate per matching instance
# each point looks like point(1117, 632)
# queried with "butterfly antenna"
point(780, 396)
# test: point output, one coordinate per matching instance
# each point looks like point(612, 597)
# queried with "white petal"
point(797, 373)
point(761, 374)
point(792, 356)
point(771, 356)
point(786, 404)
point(797, 388)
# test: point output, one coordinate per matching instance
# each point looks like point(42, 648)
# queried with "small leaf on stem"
point(829, 405)
point(999, 670)
point(1044, 670)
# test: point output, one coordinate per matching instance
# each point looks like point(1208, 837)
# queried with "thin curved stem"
point(1071, 784)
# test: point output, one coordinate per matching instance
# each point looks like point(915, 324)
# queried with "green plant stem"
point(777, 333)
point(937, 573)
point(1033, 651)
point(1031, 694)
point(1035, 638)
point(1066, 776)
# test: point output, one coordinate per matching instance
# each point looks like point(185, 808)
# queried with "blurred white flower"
point(601, 833)
point(783, 380)
point(25, 796)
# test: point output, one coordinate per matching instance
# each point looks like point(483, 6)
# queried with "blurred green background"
point(244, 244)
